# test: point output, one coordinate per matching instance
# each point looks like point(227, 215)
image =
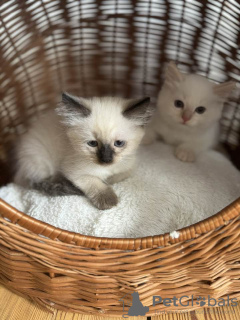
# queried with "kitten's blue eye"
point(178, 104)
point(92, 143)
point(119, 143)
point(200, 110)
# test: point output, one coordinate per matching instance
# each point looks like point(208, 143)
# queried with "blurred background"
point(111, 47)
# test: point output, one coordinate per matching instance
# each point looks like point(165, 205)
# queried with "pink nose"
point(186, 118)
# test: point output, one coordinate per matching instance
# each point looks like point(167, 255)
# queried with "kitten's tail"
point(57, 186)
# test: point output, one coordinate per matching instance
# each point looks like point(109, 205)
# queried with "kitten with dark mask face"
point(89, 142)
point(189, 108)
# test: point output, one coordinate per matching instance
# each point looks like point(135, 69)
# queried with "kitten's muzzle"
point(186, 116)
point(105, 154)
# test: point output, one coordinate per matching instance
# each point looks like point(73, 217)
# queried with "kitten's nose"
point(105, 154)
point(186, 116)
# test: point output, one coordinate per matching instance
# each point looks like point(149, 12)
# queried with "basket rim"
point(193, 231)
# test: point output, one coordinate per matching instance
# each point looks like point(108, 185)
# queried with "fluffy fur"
point(179, 123)
point(158, 198)
point(77, 142)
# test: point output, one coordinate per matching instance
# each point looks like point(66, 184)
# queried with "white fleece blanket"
point(163, 195)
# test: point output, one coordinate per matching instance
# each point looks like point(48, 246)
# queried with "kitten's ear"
point(223, 90)
point(71, 107)
point(73, 103)
point(139, 110)
point(172, 75)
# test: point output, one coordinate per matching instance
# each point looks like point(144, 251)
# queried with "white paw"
point(185, 155)
point(105, 200)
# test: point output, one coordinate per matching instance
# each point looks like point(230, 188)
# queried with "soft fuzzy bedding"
point(163, 195)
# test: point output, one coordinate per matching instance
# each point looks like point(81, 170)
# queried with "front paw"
point(184, 154)
point(105, 199)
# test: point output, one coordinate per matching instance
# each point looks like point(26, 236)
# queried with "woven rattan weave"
point(117, 47)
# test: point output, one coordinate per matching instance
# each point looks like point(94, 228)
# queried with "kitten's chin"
point(181, 123)
point(105, 164)
point(190, 125)
point(185, 124)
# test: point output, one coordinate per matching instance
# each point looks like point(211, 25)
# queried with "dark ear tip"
point(64, 94)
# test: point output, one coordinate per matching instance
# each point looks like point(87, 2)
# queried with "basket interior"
point(105, 47)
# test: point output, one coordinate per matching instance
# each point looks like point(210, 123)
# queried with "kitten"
point(189, 108)
point(89, 142)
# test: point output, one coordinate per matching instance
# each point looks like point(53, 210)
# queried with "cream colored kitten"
point(91, 142)
point(189, 108)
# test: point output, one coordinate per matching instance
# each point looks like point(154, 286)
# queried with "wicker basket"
point(98, 47)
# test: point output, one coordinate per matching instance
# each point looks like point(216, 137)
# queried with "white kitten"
point(90, 142)
point(188, 111)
